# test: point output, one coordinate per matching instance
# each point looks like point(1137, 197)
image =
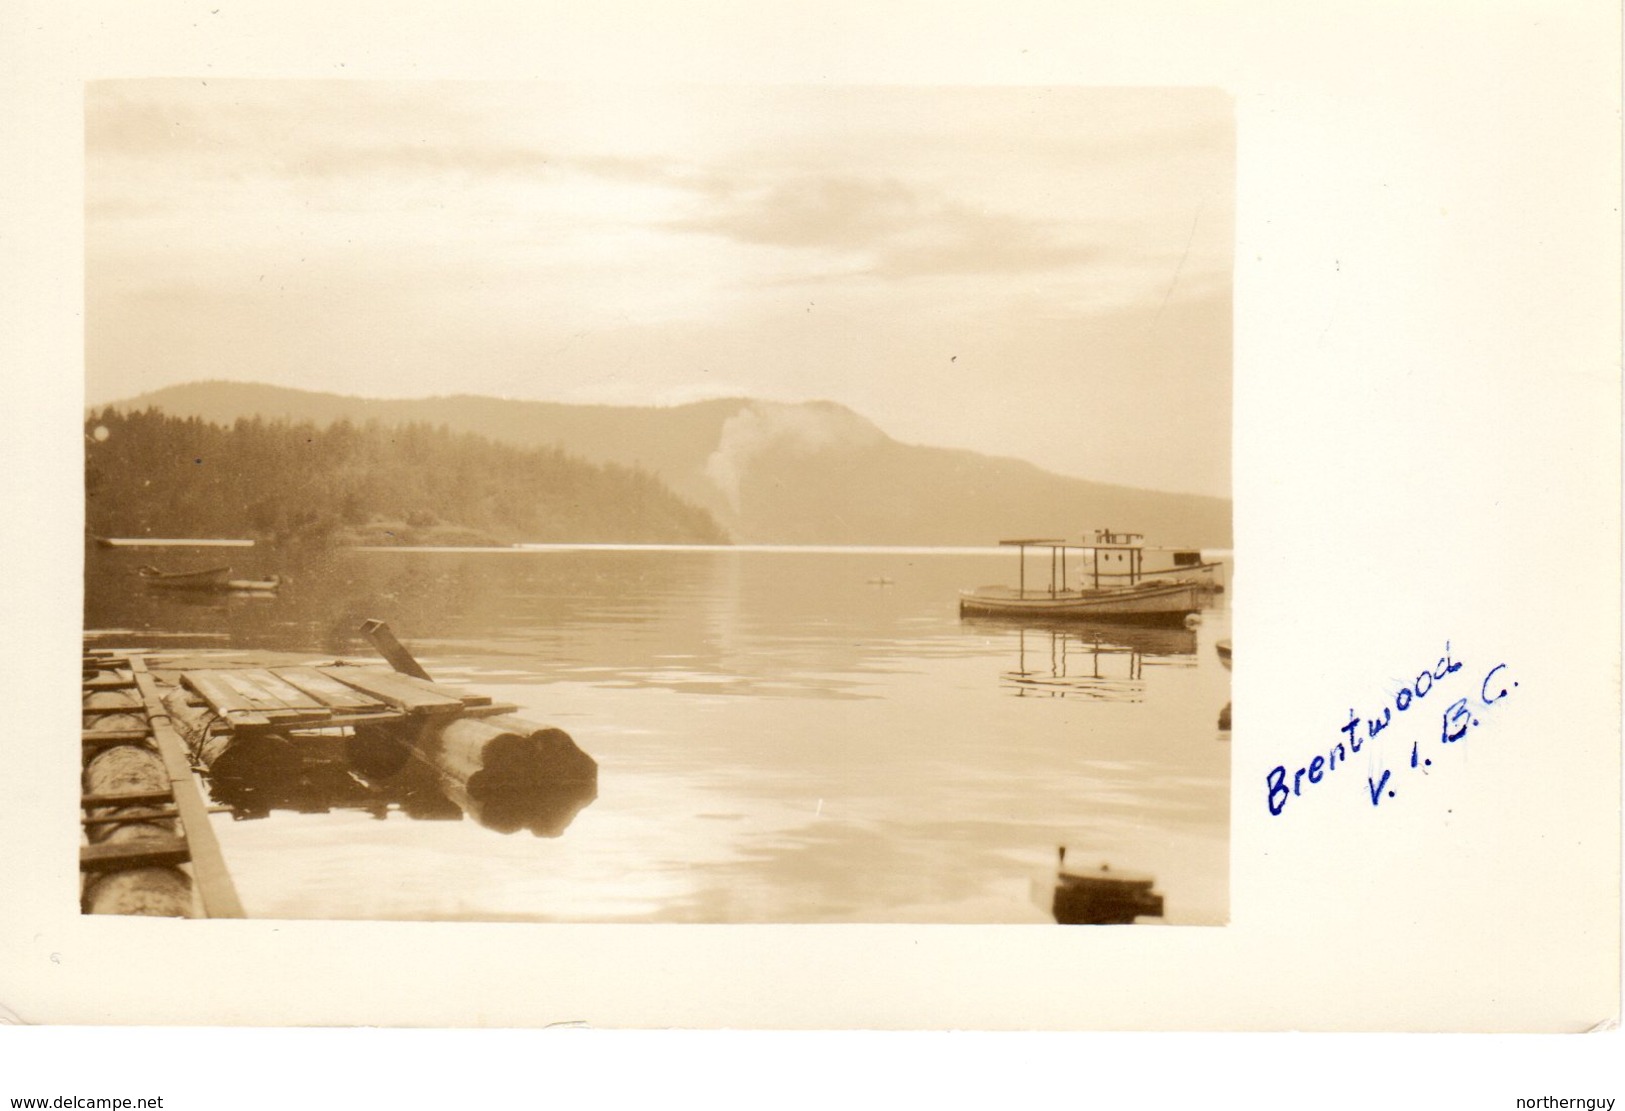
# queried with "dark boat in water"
point(210, 579)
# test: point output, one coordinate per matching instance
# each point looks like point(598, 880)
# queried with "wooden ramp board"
point(414, 696)
point(330, 692)
point(285, 692)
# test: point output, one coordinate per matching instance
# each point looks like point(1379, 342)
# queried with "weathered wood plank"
point(491, 709)
point(223, 699)
point(162, 814)
point(383, 715)
point(114, 681)
point(151, 853)
point(209, 872)
point(329, 692)
point(398, 690)
point(124, 798)
point(467, 698)
point(285, 692)
point(113, 736)
point(256, 696)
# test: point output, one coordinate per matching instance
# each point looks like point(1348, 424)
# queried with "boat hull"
point(214, 580)
point(1155, 605)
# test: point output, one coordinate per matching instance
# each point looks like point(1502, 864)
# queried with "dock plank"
point(398, 690)
point(285, 692)
point(209, 871)
point(467, 698)
point(223, 699)
point(108, 738)
point(330, 692)
point(165, 814)
point(151, 853)
point(256, 696)
point(124, 798)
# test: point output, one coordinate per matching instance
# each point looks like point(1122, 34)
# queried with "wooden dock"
point(251, 699)
point(148, 846)
point(152, 725)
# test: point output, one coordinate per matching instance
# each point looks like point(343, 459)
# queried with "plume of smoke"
point(763, 427)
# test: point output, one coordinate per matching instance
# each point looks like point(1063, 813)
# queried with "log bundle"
point(129, 768)
point(509, 774)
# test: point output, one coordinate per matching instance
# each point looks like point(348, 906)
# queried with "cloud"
point(230, 130)
point(899, 232)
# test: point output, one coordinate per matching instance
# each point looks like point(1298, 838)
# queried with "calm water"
point(782, 736)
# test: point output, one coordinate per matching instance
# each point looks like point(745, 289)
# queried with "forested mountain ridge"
point(150, 473)
point(771, 472)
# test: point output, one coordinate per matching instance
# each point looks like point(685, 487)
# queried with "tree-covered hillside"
point(150, 474)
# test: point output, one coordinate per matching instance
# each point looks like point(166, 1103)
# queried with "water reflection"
point(1093, 662)
point(781, 739)
point(377, 772)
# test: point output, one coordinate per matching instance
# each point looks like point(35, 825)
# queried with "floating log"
point(376, 754)
point(510, 774)
point(106, 710)
point(125, 882)
point(229, 755)
point(155, 892)
point(125, 768)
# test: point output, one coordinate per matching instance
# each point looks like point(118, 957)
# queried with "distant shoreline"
point(1210, 554)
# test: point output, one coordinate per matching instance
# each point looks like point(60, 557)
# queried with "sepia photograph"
point(559, 502)
point(632, 552)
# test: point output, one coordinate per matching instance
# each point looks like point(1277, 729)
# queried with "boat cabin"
point(1110, 559)
point(1118, 558)
point(1114, 559)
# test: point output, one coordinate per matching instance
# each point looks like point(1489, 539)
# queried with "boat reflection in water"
point(1105, 662)
point(373, 772)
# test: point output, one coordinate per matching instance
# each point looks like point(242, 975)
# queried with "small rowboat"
point(211, 579)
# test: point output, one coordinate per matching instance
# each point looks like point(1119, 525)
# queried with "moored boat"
point(1166, 603)
point(216, 579)
point(1113, 586)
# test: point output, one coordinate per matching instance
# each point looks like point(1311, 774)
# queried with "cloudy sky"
point(1039, 273)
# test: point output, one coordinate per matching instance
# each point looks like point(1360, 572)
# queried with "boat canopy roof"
point(1104, 538)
